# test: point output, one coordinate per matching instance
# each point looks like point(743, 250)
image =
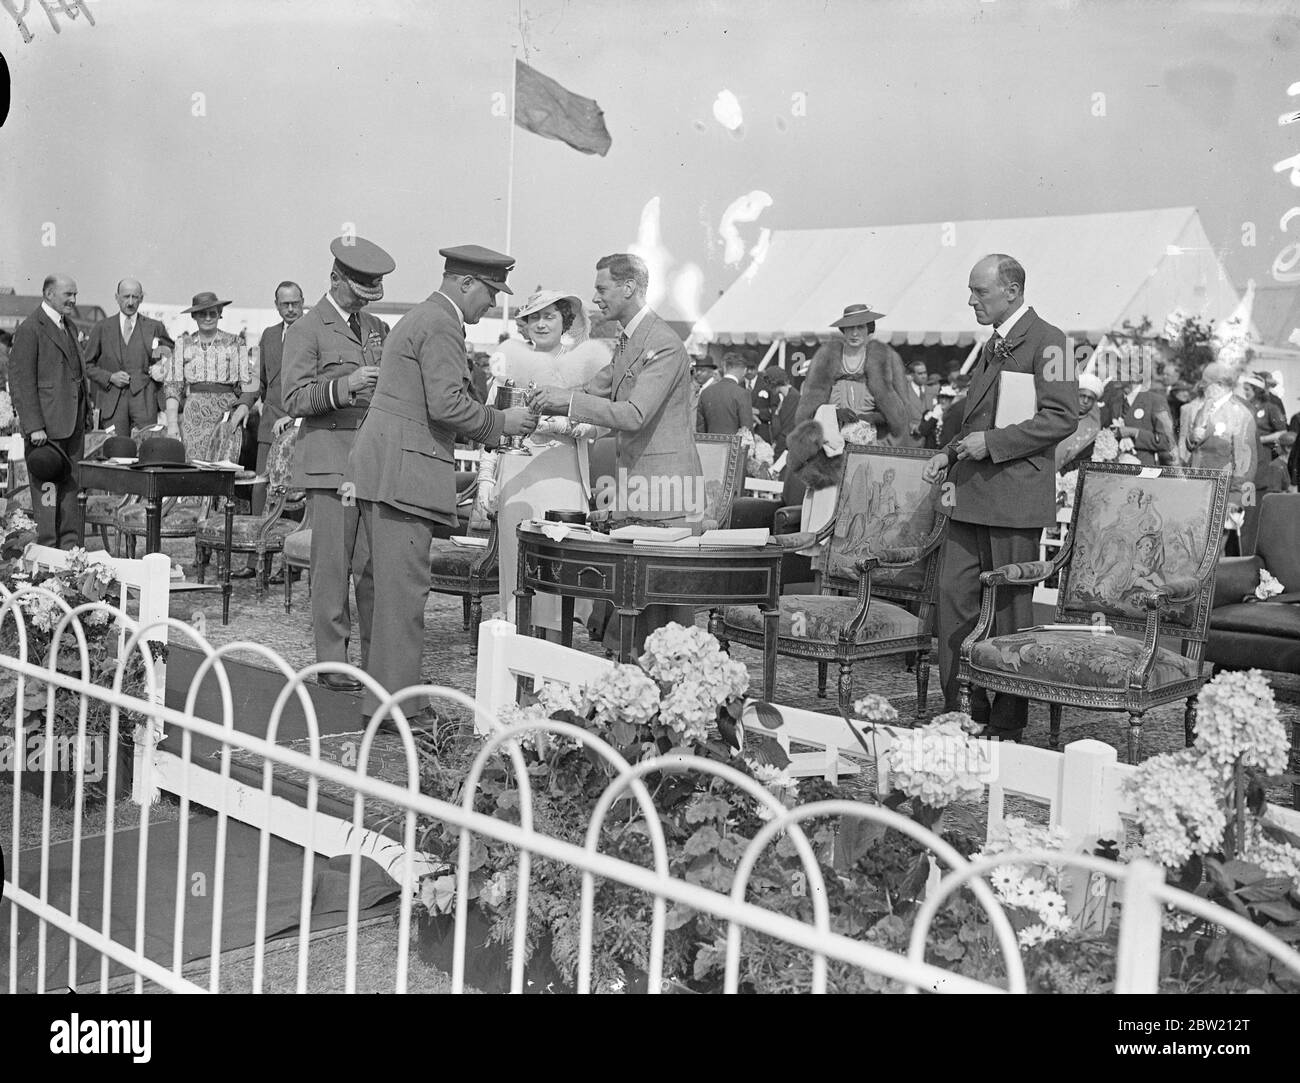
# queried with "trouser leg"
point(331, 617)
point(398, 548)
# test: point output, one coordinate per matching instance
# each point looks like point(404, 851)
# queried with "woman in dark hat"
point(212, 372)
point(862, 377)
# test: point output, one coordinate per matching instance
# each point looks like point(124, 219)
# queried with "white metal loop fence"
point(210, 783)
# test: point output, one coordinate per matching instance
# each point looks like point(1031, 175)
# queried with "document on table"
point(1017, 399)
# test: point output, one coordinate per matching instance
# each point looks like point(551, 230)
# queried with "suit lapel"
point(57, 335)
point(988, 377)
point(632, 352)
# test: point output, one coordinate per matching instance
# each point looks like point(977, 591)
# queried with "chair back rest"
point(1277, 541)
point(279, 462)
point(1136, 529)
point(883, 503)
point(722, 465)
point(224, 445)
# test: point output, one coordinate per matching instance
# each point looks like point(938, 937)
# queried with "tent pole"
point(510, 177)
point(776, 342)
point(780, 354)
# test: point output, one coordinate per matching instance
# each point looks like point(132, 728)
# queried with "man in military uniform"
point(403, 466)
point(330, 365)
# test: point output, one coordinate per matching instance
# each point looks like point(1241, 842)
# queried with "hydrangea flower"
point(626, 695)
point(875, 709)
point(935, 763)
point(1237, 719)
point(775, 779)
point(1177, 805)
point(555, 697)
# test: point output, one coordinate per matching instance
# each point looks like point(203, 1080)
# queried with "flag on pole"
point(545, 108)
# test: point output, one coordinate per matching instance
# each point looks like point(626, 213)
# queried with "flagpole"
point(510, 176)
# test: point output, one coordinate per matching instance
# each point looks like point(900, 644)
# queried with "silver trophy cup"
point(509, 395)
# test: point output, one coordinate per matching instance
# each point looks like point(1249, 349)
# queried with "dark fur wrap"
point(808, 462)
point(886, 380)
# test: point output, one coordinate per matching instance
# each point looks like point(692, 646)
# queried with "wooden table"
point(632, 577)
point(153, 484)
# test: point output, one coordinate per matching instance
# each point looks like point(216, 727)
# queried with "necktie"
point(986, 357)
point(72, 337)
point(354, 322)
point(622, 345)
point(127, 329)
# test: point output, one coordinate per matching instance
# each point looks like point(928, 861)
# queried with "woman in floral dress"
point(212, 372)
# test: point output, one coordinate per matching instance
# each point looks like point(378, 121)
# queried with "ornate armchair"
point(882, 546)
point(181, 515)
point(1140, 557)
point(262, 535)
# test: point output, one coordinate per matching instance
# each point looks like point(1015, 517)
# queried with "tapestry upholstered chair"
point(261, 535)
point(882, 547)
point(1139, 557)
point(181, 515)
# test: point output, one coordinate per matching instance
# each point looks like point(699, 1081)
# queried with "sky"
point(204, 146)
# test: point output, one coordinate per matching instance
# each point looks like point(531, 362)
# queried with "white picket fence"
point(503, 657)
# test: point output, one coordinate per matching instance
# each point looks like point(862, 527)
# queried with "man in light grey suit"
point(644, 395)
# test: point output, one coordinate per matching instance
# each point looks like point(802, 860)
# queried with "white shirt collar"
point(733, 376)
point(1005, 329)
point(57, 317)
point(459, 314)
point(1132, 395)
point(630, 327)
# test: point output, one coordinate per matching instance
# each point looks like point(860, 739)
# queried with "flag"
point(545, 108)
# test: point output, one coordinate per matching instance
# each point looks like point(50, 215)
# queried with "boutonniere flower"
point(1220, 428)
point(1001, 351)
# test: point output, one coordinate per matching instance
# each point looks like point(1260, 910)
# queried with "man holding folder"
point(1000, 473)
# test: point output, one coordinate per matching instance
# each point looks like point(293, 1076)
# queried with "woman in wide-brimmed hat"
point(556, 475)
point(212, 373)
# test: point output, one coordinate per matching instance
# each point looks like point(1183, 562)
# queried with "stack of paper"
point(651, 535)
point(745, 539)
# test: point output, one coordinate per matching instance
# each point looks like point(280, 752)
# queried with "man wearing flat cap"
point(403, 464)
point(328, 373)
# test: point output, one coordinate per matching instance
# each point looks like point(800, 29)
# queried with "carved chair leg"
point(1135, 736)
point(263, 574)
point(846, 687)
point(1054, 711)
point(1189, 721)
point(821, 680)
point(963, 696)
point(922, 685)
point(464, 611)
point(201, 556)
point(475, 618)
point(287, 572)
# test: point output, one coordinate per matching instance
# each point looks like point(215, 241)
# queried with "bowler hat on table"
point(48, 462)
point(163, 453)
point(117, 447)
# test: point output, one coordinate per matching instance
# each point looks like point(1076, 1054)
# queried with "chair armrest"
point(1023, 574)
point(748, 512)
point(1181, 588)
point(1235, 578)
point(788, 519)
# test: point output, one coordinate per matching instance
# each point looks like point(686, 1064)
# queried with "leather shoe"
point(422, 722)
point(277, 580)
point(243, 573)
point(338, 682)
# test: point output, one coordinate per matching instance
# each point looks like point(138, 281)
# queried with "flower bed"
point(686, 695)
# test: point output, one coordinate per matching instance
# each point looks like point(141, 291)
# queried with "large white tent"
point(1086, 273)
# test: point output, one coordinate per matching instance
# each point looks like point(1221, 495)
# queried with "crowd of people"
point(380, 412)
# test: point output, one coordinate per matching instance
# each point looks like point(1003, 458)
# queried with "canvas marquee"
point(1085, 273)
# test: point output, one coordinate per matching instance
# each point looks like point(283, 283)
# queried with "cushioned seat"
point(181, 518)
point(1079, 660)
point(102, 507)
point(297, 548)
point(820, 616)
point(446, 558)
point(1281, 619)
point(243, 533)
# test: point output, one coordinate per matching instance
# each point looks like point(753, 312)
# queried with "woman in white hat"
point(1077, 447)
point(556, 474)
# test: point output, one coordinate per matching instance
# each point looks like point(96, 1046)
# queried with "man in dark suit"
point(784, 410)
point(725, 407)
point(1143, 417)
point(118, 357)
point(47, 380)
point(402, 462)
point(330, 365)
point(270, 354)
point(1001, 482)
point(919, 400)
